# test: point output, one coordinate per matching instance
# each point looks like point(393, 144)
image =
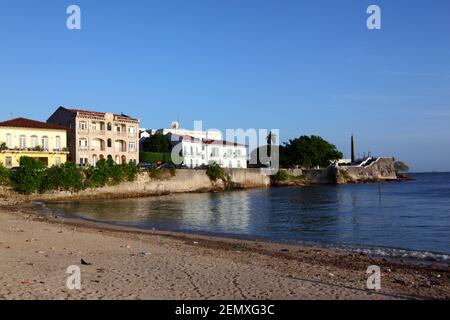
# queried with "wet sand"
point(35, 252)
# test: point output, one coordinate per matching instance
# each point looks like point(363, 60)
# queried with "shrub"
point(281, 175)
point(65, 177)
point(4, 175)
point(216, 172)
point(28, 177)
point(155, 157)
point(131, 171)
point(99, 176)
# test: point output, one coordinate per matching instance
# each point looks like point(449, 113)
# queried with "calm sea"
point(408, 219)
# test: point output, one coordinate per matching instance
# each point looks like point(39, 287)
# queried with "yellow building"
point(28, 138)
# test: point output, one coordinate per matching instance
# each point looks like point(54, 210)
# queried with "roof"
point(208, 141)
point(27, 123)
point(95, 113)
point(223, 142)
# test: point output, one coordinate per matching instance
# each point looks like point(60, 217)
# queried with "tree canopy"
point(307, 152)
point(157, 143)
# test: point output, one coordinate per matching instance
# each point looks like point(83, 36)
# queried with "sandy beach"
point(35, 252)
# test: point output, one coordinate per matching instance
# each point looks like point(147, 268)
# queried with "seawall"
point(184, 181)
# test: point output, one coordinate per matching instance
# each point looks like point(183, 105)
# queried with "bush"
point(66, 177)
point(99, 176)
point(28, 177)
point(281, 175)
point(155, 157)
point(131, 171)
point(4, 175)
point(216, 172)
point(33, 176)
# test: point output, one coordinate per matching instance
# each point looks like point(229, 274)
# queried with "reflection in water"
point(413, 215)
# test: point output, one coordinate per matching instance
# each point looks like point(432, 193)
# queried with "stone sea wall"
point(183, 181)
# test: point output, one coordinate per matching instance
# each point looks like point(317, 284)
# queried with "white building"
point(175, 129)
point(197, 152)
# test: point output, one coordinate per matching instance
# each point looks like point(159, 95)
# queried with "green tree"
point(28, 177)
point(3, 146)
point(4, 175)
point(307, 152)
point(157, 143)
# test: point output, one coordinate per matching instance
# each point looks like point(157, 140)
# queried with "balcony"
point(83, 131)
point(98, 132)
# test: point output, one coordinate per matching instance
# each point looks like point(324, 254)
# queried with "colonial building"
point(198, 134)
point(28, 138)
point(197, 152)
point(93, 136)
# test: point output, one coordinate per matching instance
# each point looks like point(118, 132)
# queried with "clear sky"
point(304, 67)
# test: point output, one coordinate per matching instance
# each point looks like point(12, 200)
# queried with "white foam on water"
point(395, 253)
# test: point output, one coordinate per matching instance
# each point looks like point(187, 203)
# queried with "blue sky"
point(304, 67)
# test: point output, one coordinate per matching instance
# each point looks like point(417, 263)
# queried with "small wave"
point(394, 253)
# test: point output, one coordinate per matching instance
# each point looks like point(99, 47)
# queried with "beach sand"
point(35, 252)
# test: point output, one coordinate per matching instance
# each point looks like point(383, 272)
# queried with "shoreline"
point(296, 271)
point(368, 250)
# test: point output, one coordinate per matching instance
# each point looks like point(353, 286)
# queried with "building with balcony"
point(94, 136)
point(197, 152)
point(42, 141)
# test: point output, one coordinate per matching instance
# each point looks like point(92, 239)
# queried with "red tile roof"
point(27, 123)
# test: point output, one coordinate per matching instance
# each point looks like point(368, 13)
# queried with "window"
point(239, 163)
point(58, 142)
point(230, 164)
point(132, 146)
point(57, 161)
point(83, 143)
point(22, 142)
point(34, 142)
point(131, 130)
point(109, 143)
point(8, 140)
point(109, 126)
point(83, 161)
point(83, 125)
point(8, 161)
point(215, 152)
point(44, 142)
